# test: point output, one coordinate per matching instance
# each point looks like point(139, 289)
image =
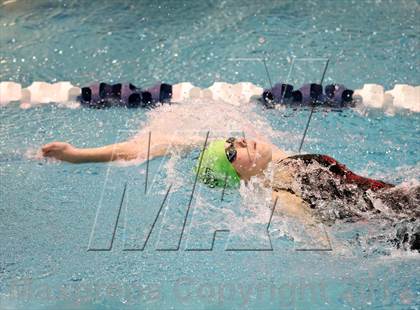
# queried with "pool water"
point(51, 213)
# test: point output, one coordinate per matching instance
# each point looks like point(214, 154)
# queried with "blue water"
point(173, 41)
point(48, 210)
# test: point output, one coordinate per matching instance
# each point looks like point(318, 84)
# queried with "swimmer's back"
point(325, 184)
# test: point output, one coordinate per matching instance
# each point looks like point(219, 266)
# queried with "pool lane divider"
point(102, 95)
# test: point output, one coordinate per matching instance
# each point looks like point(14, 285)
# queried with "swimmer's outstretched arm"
point(129, 150)
point(67, 152)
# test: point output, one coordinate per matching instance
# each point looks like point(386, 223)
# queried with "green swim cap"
point(215, 168)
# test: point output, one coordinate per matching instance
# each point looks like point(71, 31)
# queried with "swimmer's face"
point(252, 157)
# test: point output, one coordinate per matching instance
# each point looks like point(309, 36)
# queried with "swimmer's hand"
point(62, 151)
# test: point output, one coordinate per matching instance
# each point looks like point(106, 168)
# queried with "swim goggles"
point(231, 150)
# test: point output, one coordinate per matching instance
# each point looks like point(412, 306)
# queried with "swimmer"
point(225, 161)
point(229, 160)
point(312, 188)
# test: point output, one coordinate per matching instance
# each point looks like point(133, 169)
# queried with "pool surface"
point(52, 213)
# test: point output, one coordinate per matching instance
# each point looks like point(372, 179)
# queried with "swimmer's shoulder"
point(278, 154)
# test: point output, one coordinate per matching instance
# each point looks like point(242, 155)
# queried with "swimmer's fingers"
point(52, 148)
point(48, 148)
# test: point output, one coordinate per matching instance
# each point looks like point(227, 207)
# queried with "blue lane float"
point(102, 95)
point(333, 95)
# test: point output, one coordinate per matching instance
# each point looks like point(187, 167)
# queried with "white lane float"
point(248, 90)
point(42, 93)
point(9, 92)
point(402, 96)
point(235, 93)
point(373, 95)
point(406, 97)
point(182, 91)
point(63, 93)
